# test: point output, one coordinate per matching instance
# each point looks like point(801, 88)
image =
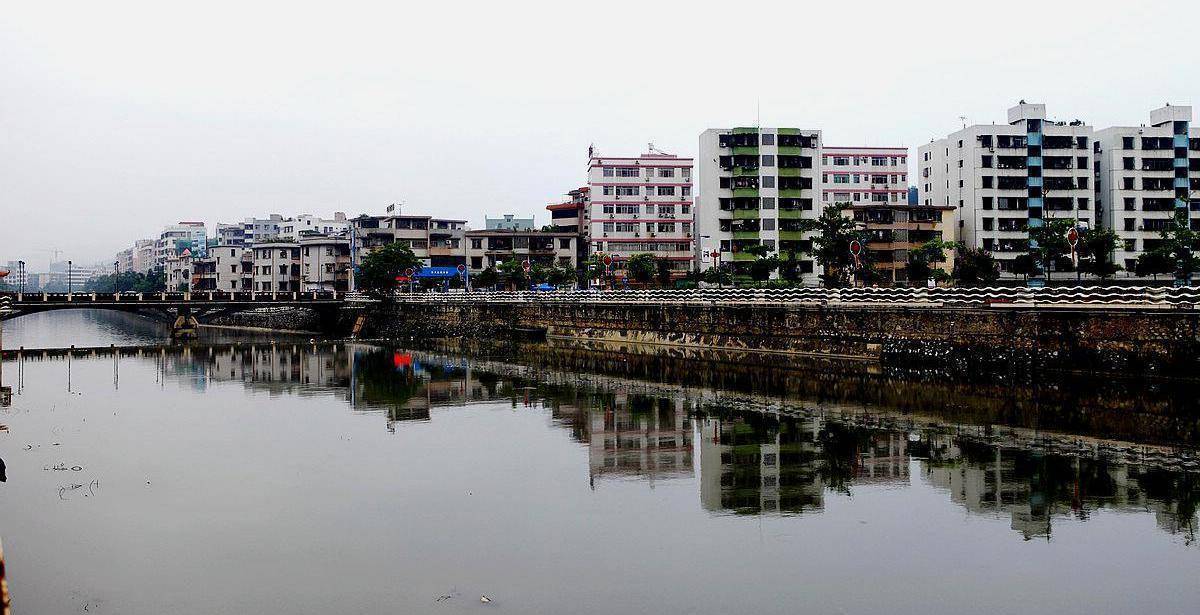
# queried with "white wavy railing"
point(949, 297)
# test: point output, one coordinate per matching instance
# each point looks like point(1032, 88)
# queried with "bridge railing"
point(202, 296)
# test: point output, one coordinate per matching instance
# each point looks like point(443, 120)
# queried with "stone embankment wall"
point(1160, 341)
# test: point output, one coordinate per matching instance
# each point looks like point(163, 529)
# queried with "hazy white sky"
point(118, 117)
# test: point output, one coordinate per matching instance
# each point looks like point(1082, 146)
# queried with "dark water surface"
point(332, 478)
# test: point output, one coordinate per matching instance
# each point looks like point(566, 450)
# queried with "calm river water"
point(253, 477)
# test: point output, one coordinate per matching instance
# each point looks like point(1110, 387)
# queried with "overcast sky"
point(117, 118)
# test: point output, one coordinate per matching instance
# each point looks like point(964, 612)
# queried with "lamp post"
point(21, 273)
point(69, 266)
point(116, 275)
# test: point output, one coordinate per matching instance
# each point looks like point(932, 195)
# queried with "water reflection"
point(785, 459)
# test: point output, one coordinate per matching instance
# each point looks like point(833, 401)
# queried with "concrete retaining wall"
point(1124, 340)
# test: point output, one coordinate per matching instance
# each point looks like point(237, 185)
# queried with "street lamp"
point(69, 265)
point(21, 273)
point(116, 276)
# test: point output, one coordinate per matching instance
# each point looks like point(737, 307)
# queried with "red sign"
point(462, 268)
point(408, 272)
point(525, 265)
point(855, 247)
point(1073, 236)
point(608, 260)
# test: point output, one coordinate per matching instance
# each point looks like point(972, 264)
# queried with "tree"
point(831, 246)
point(1179, 244)
point(487, 278)
point(642, 267)
point(1024, 265)
point(561, 276)
point(513, 272)
point(1051, 241)
point(789, 268)
point(380, 268)
point(1154, 263)
point(764, 262)
point(152, 281)
point(922, 260)
point(1097, 246)
point(717, 275)
point(664, 272)
point(975, 266)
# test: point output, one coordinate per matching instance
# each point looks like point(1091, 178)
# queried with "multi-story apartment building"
point(276, 266)
point(574, 216)
point(756, 184)
point(488, 248)
point(255, 230)
point(227, 268)
point(177, 237)
point(324, 263)
point(307, 224)
point(642, 204)
point(896, 228)
point(446, 242)
point(1004, 179)
point(1144, 174)
point(369, 233)
point(230, 235)
point(864, 175)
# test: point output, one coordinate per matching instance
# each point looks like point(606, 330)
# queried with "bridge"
point(185, 310)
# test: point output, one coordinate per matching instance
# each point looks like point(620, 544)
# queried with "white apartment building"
point(276, 266)
point(255, 230)
point(177, 237)
point(1006, 178)
point(642, 204)
point(324, 263)
point(1143, 174)
point(232, 268)
point(307, 224)
point(756, 184)
point(864, 175)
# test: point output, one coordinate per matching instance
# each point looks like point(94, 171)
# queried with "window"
point(686, 171)
point(1126, 142)
point(666, 191)
point(768, 181)
point(666, 227)
point(476, 244)
point(1129, 224)
point(1127, 183)
point(685, 191)
point(608, 171)
point(1130, 203)
point(666, 172)
point(1131, 245)
point(768, 160)
point(768, 224)
point(768, 139)
point(608, 227)
point(987, 181)
point(841, 161)
point(628, 190)
point(627, 172)
point(768, 202)
point(878, 161)
point(986, 162)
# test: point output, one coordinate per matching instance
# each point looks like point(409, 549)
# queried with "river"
point(246, 475)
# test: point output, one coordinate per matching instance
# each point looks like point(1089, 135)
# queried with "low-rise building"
point(489, 248)
point(446, 242)
point(276, 266)
point(175, 238)
point(324, 263)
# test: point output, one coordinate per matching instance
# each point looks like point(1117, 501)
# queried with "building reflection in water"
point(750, 462)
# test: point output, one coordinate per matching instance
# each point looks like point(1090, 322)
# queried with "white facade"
point(642, 204)
point(176, 237)
point(864, 175)
point(276, 267)
point(756, 184)
point(1004, 178)
point(1142, 174)
point(324, 263)
point(306, 224)
point(231, 267)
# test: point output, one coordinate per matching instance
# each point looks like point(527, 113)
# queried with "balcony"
point(745, 214)
point(739, 139)
point(1158, 164)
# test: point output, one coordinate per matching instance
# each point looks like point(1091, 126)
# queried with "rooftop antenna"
point(963, 119)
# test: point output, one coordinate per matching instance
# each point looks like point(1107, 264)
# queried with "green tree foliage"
point(789, 265)
point(642, 267)
point(1052, 246)
point(1179, 244)
point(831, 246)
point(1154, 263)
point(152, 281)
point(1095, 251)
point(513, 273)
point(380, 268)
point(486, 279)
point(922, 261)
point(717, 275)
point(764, 262)
point(1024, 265)
point(975, 266)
